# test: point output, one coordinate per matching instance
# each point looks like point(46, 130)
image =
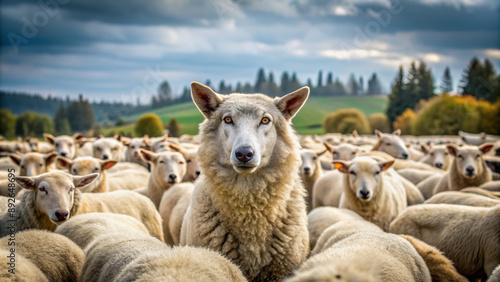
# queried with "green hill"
point(308, 120)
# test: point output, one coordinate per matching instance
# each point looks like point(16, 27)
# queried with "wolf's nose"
point(62, 215)
point(244, 154)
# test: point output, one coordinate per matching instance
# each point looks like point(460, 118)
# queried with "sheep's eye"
point(22, 166)
point(96, 168)
point(162, 146)
point(162, 162)
point(477, 156)
point(114, 149)
point(57, 145)
point(228, 120)
point(432, 154)
point(353, 153)
point(181, 162)
point(460, 156)
point(334, 152)
point(377, 172)
point(188, 161)
point(40, 164)
point(71, 189)
point(74, 171)
point(352, 172)
point(98, 149)
point(265, 120)
point(446, 154)
point(42, 189)
point(314, 158)
point(70, 145)
point(388, 144)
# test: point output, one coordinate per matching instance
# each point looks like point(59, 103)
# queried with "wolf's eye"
point(265, 120)
point(228, 120)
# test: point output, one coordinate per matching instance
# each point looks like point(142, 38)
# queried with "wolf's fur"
point(37, 209)
point(467, 156)
point(252, 212)
point(468, 236)
point(55, 255)
point(387, 195)
point(391, 144)
point(163, 166)
point(310, 171)
point(173, 207)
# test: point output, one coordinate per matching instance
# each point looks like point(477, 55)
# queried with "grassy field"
point(308, 120)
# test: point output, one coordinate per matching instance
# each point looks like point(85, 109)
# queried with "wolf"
point(248, 203)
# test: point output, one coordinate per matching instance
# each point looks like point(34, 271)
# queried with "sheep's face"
point(107, 149)
point(54, 192)
point(168, 167)
point(469, 159)
point(392, 144)
point(63, 145)
point(310, 162)
point(134, 148)
point(363, 175)
point(192, 165)
point(33, 143)
point(343, 152)
point(439, 157)
point(33, 163)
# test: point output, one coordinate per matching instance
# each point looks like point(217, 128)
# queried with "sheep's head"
point(310, 161)
point(469, 159)
point(168, 167)
point(363, 175)
point(392, 144)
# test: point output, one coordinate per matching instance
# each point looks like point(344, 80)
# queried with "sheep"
point(108, 254)
point(248, 202)
point(310, 172)
point(181, 264)
point(52, 199)
point(467, 235)
point(39, 147)
point(120, 180)
point(491, 185)
point(391, 144)
point(192, 165)
point(84, 228)
point(108, 149)
point(482, 192)
point(415, 176)
point(468, 168)
point(476, 139)
point(440, 267)
point(24, 269)
point(167, 169)
point(32, 164)
point(427, 185)
point(436, 156)
point(14, 146)
point(326, 192)
point(493, 163)
point(370, 192)
point(160, 144)
point(133, 150)
point(65, 146)
point(365, 255)
point(321, 218)
point(172, 208)
point(344, 151)
point(460, 198)
point(55, 255)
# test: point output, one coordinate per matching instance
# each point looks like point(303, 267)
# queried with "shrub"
point(379, 121)
point(173, 128)
point(43, 124)
point(149, 124)
point(345, 121)
point(405, 122)
point(8, 122)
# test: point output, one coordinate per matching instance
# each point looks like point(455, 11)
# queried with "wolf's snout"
point(62, 215)
point(244, 154)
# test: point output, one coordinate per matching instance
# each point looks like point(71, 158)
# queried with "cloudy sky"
point(123, 49)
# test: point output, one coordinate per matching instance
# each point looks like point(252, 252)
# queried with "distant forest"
point(326, 85)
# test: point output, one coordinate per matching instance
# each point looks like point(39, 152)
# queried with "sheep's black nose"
point(62, 215)
point(470, 170)
point(198, 172)
point(364, 194)
point(63, 154)
point(172, 176)
point(244, 154)
point(405, 156)
point(439, 165)
point(105, 157)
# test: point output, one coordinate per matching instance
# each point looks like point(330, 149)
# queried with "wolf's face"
point(246, 126)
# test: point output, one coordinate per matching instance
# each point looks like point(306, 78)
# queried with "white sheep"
point(173, 206)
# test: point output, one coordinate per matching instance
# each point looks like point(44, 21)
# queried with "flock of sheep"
point(379, 208)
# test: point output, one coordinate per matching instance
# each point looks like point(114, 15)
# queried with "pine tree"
point(260, 83)
point(320, 79)
point(470, 82)
point(425, 83)
point(164, 93)
point(294, 83)
point(353, 85)
point(61, 122)
point(272, 88)
point(82, 115)
point(396, 105)
point(446, 81)
point(173, 128)
point(361, 86)
point(374, 86)
point(285, 83)
point(222, 88)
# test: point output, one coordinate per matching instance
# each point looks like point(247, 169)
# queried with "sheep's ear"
point(329, 147)
point(378, 133)
point(205, 98)
point(452, 149)
point(107, 164)
point(50, 138)
point(148, 156)
point(355, 133)
point(119, 137)
point(385, 165)
point(27, 139)
point(424, 148)
point(397, 132)
point(84, 180)
point(125, 142)
point(146, 140)
point(341, 166)
point(290, 104)
point(321, 153)
point(15, 158)
point(50, 158)
point(486, 147)
point(493, 165)
point(26, 182)
point(64, 162)
point(164, 137)
point(175, 147)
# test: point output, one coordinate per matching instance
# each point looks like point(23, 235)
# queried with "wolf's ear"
point(26, 182)
point(84, 180)
point(205, 98)
point(291, 103)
